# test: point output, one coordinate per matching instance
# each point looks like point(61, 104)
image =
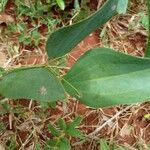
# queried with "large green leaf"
point(33, 83)
point(103, 77)
point(65, 39)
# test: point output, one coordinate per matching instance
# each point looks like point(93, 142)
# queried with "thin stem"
point(69, 84)
point(147, 53)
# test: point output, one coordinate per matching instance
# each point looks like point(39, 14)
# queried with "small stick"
point(108, 121)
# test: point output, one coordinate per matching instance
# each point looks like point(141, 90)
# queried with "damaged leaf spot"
point(43, 91)
point(113, 7)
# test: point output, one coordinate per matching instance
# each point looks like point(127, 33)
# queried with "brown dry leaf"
point(6, 18)
point(126, 130)
point(1, 147)
point(3, 59)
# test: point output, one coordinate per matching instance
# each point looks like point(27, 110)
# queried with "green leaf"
point(62, 124)
point(64, 144)
point(122, 6)
point(74, 132)
point(103, 77)
point(51, 144)
point(76, 122)
point(104, 145)
point(70, 130)
point(76, 5)
point(34, 83)
point(144, 20)
point(53, 130)
point(61, 4)
point(59, 144)
point(65, 39)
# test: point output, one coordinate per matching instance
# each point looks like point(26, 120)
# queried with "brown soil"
point(130, 128)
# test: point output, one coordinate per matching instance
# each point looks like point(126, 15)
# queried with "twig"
point(108, 121)
point(27, 140)
point(93, 134)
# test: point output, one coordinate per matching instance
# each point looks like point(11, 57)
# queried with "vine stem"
point(147, 53)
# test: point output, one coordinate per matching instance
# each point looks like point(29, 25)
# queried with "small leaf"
point(70, 130)
point(104, 78)
point(53, 130)
point(74, 132)
point(65, 39)
point(59, 144)
point(144, 20)
point(76, 122)
point(62, 124)
point(34, 83)
point(64, 144)
point(61, 4)
point(51, 144)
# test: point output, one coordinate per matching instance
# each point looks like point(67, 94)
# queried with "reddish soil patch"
point(88, 43)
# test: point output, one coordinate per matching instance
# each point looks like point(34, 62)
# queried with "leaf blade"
point(32, 83)
point(65, 39)
point(53, 130)
point(104, 78)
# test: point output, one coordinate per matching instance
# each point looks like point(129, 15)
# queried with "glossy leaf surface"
point(103, 77)
point(33, 83)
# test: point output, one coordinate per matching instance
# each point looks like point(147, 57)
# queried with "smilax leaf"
point(103, 77)
point(65, 39)
point(34, 83)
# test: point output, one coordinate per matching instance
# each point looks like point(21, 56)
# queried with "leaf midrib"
point(109, 77)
